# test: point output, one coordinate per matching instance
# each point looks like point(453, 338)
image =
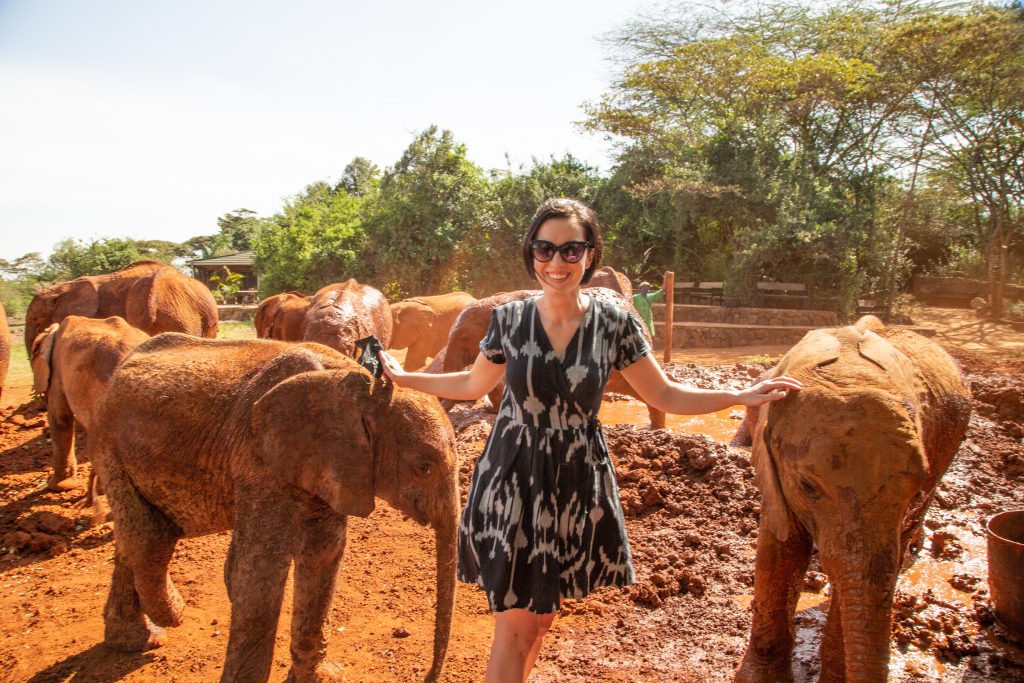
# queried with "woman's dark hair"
point(565, 208)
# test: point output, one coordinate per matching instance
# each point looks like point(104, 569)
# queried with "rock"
point(400, 632)
point(52, 523)
point(17, 540)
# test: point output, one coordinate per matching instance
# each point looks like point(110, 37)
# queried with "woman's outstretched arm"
point(468, 385)
point(655, 388)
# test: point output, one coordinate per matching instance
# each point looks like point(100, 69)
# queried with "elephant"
point(850, 464)
point(5, 348)
point(471, 326)
point(72, 362)
point(341, 314)
point(422, 324)
point(281, 316)
point(609, 278)
point(151, 296)
point(281, 442)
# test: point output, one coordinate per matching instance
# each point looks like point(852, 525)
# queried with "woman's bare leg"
point(517, 640)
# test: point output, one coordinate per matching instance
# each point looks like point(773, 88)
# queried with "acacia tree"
point(970, 118)
point(766, 133)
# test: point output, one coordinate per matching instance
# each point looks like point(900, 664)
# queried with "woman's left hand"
point(768, 390)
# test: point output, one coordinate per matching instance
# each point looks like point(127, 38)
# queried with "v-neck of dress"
point(573, 341)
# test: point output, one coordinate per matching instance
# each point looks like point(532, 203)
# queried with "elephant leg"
point(62, 432)
point(125, 627)
point(317, 560)
point(255, 572)
point(415, 357)
point(145, 538)
point(833, 657)
point(778, 575)
point(657, 417)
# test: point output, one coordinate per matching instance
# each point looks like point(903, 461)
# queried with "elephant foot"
point(69, 483)
point(134, 637)
point(323, 672)
point(749, 672)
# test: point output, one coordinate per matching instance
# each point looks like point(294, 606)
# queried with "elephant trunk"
point(865, 602)
point(446, 533)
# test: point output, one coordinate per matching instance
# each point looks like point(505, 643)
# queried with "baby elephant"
point(848, 464)
point(280, 442)
point(72, 362)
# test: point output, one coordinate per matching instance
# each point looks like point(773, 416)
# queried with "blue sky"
point(151, 119)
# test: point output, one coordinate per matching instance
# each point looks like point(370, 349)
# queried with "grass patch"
point(19, 372)
point(763, 358)
point(236, 329)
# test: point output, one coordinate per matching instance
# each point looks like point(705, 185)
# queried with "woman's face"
point(557, 275)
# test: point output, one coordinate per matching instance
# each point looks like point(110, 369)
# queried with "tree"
point(360, 177)
point(316, 239)
point(428, 202)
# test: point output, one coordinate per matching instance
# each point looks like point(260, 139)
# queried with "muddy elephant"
point(341, 314)
point(422, 324)
point(72, 362)
point(848, 464)
point(5, 348)
point(281, 316)
point(280, 442)
point(471, 326)
point(151, 296)
point(609, 278)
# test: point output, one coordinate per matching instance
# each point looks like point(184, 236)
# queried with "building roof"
point(242, 258)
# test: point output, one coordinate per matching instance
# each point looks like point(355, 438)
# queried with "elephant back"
point(168, 301)
point(471, 326)
point(609, 278)
point(340, 314)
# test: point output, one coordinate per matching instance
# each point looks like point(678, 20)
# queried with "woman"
point(543, 520)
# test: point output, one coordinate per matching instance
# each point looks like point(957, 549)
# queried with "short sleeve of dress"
point(491, 345)
point(633, 344)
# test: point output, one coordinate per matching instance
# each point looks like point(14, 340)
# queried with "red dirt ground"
point(692, 514)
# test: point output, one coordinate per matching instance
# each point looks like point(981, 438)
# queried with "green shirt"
point(642, 304)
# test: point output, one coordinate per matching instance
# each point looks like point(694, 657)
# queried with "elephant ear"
point(901, 370)
point(142, 300)
point(817, 348)
point(774, 509)
point(42, 357)
point(79, 298)
point(312, 432)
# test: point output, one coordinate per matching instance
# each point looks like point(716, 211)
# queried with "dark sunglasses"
point(571, 252)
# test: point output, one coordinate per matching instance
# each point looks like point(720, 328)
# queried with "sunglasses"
point(571, 252)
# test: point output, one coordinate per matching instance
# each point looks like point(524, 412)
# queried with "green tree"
point(428, 203)
point(316, 239)
point(360, 177)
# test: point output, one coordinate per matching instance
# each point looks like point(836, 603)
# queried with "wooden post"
point(669, 287)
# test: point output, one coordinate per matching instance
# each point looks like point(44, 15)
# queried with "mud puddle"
point(719, 426)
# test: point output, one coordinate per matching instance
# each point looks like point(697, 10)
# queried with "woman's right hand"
point(392, 368)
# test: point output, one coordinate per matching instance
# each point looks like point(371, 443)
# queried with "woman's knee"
point(523, 625)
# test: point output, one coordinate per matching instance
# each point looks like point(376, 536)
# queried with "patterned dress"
point(543, 520)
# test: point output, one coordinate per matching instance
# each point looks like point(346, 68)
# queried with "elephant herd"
point(283, 437)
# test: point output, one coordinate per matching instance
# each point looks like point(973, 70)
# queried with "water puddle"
point(719, 426)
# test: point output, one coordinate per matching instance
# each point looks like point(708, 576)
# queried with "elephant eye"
point(809, 487)
point(423, 467)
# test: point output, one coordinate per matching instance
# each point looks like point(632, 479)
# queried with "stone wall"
point(239, 313)
point(695, 335)
point(748, 316)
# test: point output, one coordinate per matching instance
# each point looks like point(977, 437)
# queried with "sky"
point(151, 119)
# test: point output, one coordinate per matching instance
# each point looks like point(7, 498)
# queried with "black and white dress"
point(543, 520)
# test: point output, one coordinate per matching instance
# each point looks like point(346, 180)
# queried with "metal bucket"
point(1006, 569)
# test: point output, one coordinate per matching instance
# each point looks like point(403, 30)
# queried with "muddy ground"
point(692, 514)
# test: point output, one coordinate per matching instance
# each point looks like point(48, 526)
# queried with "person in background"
point(542, 520)
point(642, 301)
